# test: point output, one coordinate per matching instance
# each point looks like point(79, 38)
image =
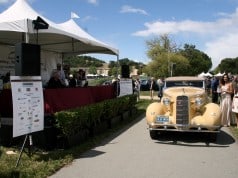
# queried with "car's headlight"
point(166, 101)
point(198, 101)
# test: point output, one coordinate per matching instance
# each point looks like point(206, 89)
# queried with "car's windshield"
point(184, 83)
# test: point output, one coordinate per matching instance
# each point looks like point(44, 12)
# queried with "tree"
point(114, 71)
point(199, 61)
point(228, 65)
point(112, 64)
point(159, 67)
point(83, 61)
point(92, 70)
point(163, 54)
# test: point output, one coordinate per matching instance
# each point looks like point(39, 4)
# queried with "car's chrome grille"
point(182, 115)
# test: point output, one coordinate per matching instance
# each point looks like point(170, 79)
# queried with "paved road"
point(132, 154)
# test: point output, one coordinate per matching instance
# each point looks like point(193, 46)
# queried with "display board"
point(126, 87)
point(28, 110)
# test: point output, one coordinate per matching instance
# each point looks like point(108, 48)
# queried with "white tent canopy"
point(219, 74)
point(74, 29)
point(18, 19)
point(208, 74)
point(201, 74)
point(58, 41)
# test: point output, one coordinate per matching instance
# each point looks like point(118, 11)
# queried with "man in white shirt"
point(61, 74)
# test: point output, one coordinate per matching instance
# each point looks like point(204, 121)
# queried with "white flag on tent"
point(74, 15)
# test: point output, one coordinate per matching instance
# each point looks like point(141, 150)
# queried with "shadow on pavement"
point(222, 139)
point(107, 140)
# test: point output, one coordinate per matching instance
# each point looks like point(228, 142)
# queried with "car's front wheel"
point(154, 134)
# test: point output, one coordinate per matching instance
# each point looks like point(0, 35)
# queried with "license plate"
point(162, 119)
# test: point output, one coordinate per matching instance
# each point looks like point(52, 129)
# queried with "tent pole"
point(26, 37)
point(27, 34)
point(117, 75)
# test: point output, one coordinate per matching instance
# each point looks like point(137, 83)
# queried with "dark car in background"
point(145, 85)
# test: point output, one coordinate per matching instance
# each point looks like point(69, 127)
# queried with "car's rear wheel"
point(154, 134)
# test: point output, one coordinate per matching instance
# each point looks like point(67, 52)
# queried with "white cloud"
point(5, 1)
point(10, 1)
point(88, 18)
point(221, 38)
point(129, 9)
point(222, 47)
point(95, 2)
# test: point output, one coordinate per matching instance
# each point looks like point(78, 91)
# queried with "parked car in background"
point(184, 107)
point(107, 82)
point(145, 85)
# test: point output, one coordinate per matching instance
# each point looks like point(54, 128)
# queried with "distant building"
point(104, 70)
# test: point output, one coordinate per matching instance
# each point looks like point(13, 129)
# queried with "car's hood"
point(188, 91)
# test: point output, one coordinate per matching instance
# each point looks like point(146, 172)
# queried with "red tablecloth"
point(61, 99)
point(6, 109)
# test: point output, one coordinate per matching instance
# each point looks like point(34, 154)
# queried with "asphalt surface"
point(130, 153)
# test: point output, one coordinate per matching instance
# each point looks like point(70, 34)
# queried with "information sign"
point(28, 110)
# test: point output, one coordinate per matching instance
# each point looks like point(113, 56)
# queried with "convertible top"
point(182, 78)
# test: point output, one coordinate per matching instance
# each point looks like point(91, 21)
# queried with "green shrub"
point(108, 109)
point(70, 122)
point(94, 113)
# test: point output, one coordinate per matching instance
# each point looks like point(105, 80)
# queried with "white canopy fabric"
point(219, 74)
point(208, 74)
point(18, 19)
point(201, 74)
point(74, 29)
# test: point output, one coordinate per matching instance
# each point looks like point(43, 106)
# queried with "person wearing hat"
point(72, 81)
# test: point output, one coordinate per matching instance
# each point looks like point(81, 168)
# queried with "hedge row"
point(72, 121)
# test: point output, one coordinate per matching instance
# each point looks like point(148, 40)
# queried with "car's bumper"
point(185, 128)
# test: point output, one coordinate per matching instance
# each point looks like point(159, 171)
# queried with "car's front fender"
point(210, 117)
point(153, 110)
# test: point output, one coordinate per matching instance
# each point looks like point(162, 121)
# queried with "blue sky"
point(210, 25)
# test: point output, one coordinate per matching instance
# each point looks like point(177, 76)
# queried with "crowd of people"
point(61, 79)
point(154, 85)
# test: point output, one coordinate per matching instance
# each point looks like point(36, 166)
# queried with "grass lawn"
point(145, 93)
point(234, 131)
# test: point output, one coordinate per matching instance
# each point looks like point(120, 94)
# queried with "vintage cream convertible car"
point(184, 107)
